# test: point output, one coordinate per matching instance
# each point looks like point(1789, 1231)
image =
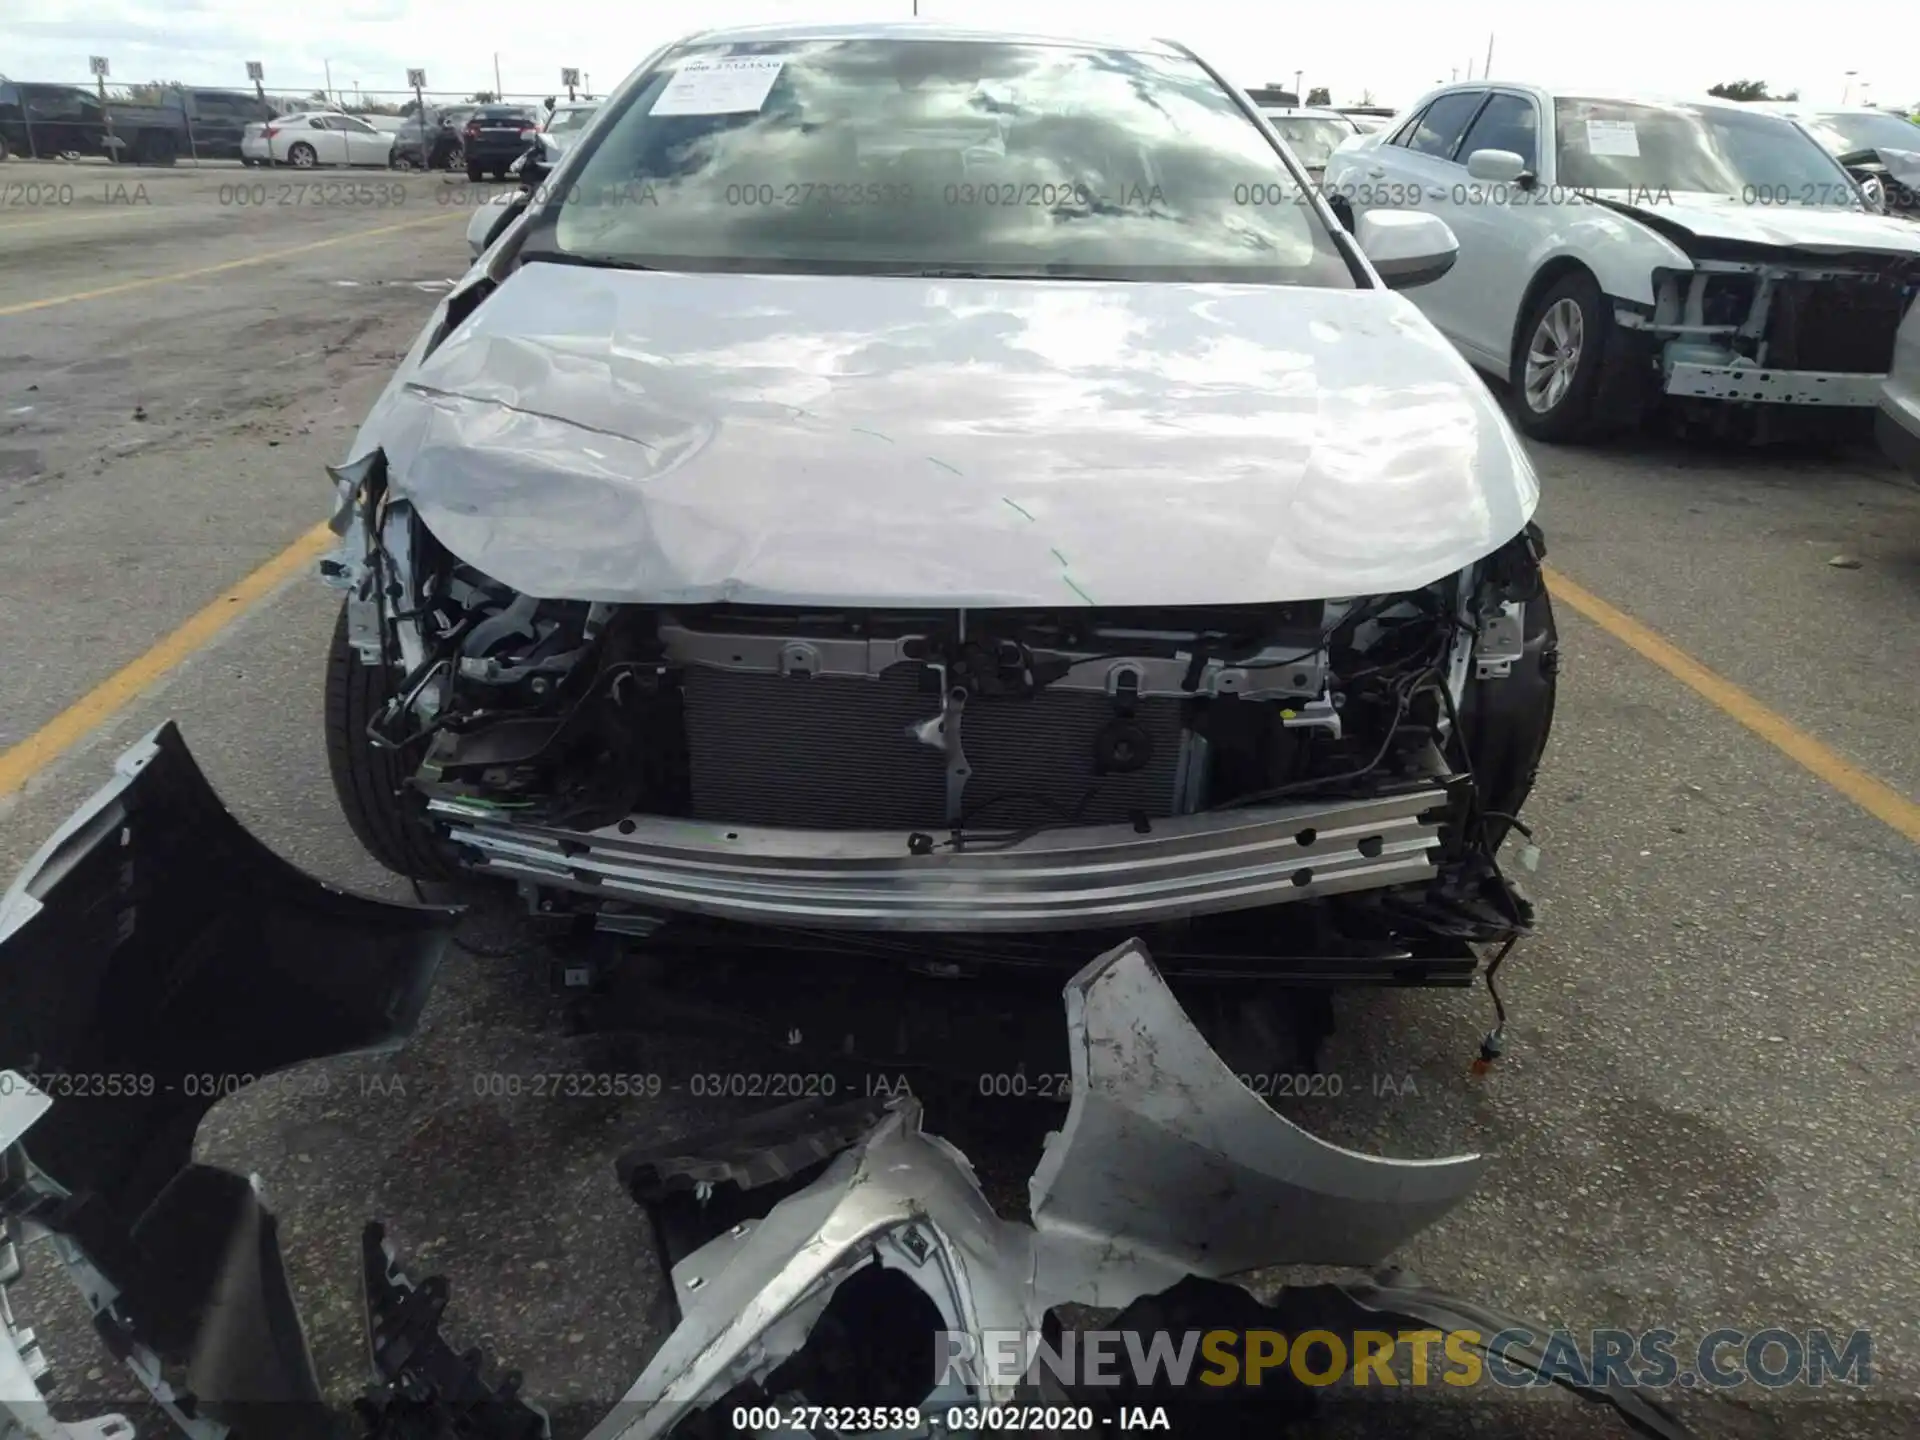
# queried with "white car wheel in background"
point(1558, 356)
point(1553, 355)
point(302, 156)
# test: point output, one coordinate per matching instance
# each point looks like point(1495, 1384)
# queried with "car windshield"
point(1847, 134)
point(564, 120)
point(1313, 139)
point(965, 158)
point(1621, 145)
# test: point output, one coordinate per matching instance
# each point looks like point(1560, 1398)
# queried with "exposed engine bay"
point(1757, 324)
point(595, 748)
point(821, 1255)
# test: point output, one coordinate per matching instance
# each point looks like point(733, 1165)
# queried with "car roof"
point(924, 30)
point(1600, 94)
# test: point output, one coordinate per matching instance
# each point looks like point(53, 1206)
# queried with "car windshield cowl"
point(956, 158)
point(1754, 158)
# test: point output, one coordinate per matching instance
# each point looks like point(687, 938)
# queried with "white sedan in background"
point(566, 121)
point(1313, 134)
point(313, 138)
point(1616, 251)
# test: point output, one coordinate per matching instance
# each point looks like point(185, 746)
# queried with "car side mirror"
point(534, 166)
point(1499, 167)
point(1407, 247)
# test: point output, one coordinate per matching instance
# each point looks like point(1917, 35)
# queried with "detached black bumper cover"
point(151, 940)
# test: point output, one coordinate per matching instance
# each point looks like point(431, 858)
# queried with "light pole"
point(1848, 90)
point(329, 65)
point(1299, 95)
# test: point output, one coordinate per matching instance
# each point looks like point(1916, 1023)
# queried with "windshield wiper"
point(937, 272)
point(568, 257)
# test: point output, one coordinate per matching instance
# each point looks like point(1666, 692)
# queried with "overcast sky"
point(1392, 49)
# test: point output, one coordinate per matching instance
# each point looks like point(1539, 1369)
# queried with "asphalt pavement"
point(1709, 1114)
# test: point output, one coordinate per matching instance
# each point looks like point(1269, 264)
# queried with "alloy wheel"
point(1553, 355)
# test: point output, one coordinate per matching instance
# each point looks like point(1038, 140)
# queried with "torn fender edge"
point(1167, 1156)
point(152, 941)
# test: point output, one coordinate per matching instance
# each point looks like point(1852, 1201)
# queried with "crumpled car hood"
point(1797, 227)
point(667, 438)
point(1902, 165)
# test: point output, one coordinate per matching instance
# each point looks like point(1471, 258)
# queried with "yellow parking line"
point(1876, 797)
point(266, 258)
point(72, 725)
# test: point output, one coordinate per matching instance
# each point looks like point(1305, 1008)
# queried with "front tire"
point(1558, 357)
point(386, 817)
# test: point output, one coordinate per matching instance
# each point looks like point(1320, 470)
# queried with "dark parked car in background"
point(433, 142)
point(496, 136)
point(217, 119)
point(46, 120)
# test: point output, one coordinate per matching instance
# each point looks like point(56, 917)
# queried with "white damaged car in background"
point(831, 1268)
point(853, 503)
point(1616, 253)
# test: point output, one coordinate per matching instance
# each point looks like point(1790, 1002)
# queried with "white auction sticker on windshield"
point(719, 87)
point(1613, 137)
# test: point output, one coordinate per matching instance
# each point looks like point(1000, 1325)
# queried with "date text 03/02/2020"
point(956, 1419)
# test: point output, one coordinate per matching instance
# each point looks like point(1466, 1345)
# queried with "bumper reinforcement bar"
point(1069, 878)
point(1775, 387)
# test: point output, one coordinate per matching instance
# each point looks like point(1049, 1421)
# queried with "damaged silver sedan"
point(924, 498)
point(832, 1266)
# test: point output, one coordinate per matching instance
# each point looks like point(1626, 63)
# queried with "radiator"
point(1843, 326)
point(832, 753)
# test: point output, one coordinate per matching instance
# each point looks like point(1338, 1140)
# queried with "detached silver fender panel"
point(1167, 1167)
